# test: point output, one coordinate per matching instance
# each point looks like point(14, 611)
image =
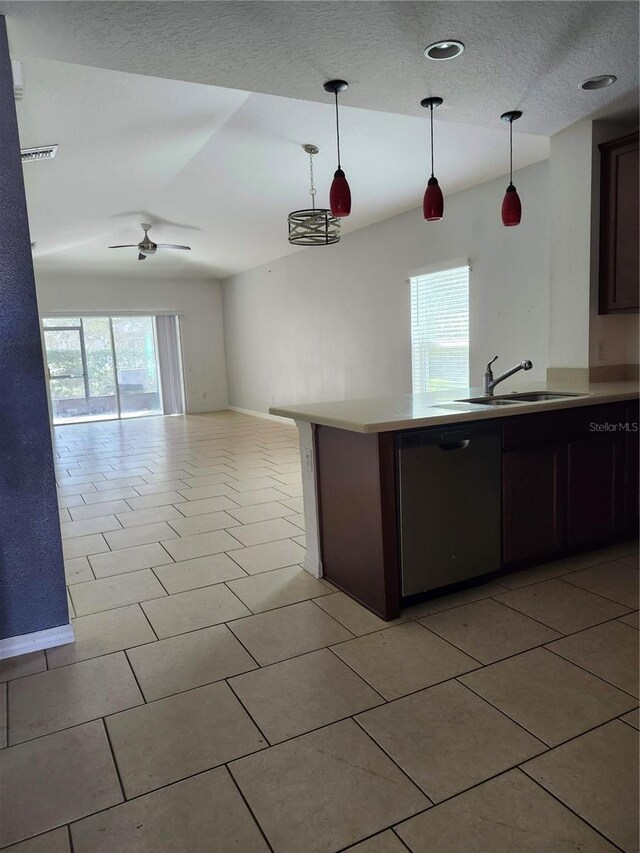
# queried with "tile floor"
point(219, 698)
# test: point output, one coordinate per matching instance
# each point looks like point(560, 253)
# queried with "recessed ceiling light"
point(600, 82)
point(440, 50)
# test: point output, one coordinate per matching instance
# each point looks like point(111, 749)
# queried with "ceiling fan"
point(147, 247)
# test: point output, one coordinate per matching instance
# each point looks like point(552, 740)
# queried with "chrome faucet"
point(490, 383)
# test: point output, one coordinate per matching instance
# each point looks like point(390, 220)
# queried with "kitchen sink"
point(489, 401)
point(523, 397)
point(541, 396)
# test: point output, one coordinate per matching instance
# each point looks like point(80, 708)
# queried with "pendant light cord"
point(431, 110)
point(337, 127)
point(510, 151)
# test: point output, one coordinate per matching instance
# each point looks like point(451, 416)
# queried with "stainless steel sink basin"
point(523, 397)
point(541, 396)
point(489, 401)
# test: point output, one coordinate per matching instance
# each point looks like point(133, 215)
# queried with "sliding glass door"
point(102, 367)
point(81, 368)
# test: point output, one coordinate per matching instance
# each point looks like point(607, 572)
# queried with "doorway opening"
point(108, 367)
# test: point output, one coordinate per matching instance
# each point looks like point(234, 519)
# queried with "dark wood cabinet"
point(533, 503)
point(569, 481)
point(595, 474)
point(534, 487)
point(595, 471)
point(619, 225)
point(357, 506)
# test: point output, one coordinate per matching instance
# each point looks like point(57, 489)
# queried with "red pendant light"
point(511, 204)
point(340, 192)
point(433, 202)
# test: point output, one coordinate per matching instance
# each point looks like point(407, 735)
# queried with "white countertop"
point(409, 411)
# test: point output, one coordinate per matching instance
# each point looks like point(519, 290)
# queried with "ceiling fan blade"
point(127, 246)
point(173, 246)
point(141, 257)
point(148, 216)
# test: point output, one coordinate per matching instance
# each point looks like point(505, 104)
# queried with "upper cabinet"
point(619, 225)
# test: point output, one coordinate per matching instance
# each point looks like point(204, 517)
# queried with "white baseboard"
point(61, 635)
point(265, 415)
point(314, 567)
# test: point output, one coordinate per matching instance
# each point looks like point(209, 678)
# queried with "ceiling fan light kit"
point(146, 247)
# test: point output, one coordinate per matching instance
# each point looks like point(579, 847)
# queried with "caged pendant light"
point(313, 226)
point(433, 202)
point(340, 192)
point(511, 204)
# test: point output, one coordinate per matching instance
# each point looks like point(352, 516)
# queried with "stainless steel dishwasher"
point(450, 504)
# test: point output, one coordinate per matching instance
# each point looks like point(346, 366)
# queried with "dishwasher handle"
point(448, 436)
point(453, 445)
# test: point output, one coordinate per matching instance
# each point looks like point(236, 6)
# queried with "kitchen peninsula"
point(410, 495)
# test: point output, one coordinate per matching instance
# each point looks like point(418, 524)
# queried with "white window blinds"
point(440, 330)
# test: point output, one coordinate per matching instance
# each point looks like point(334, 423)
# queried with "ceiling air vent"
point(44, 152)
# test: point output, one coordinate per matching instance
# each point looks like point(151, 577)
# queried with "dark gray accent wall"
point(32, 585)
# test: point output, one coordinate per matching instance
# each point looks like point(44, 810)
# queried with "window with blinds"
point(440, 330)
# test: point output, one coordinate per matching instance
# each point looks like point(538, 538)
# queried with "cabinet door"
point(533, 503)
point(619, 223)
point(595, 489)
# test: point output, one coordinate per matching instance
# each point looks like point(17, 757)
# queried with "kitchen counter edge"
point(442, 408)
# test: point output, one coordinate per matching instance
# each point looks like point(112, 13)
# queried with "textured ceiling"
point(119, 86)
point(223, 167)
point(526, 55)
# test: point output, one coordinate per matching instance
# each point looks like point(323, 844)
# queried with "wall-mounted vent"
point(44, 152)
point(18, 79)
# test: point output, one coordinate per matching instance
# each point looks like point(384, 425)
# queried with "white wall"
point(333, 322)
point(199, 304)
point(569, 209)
